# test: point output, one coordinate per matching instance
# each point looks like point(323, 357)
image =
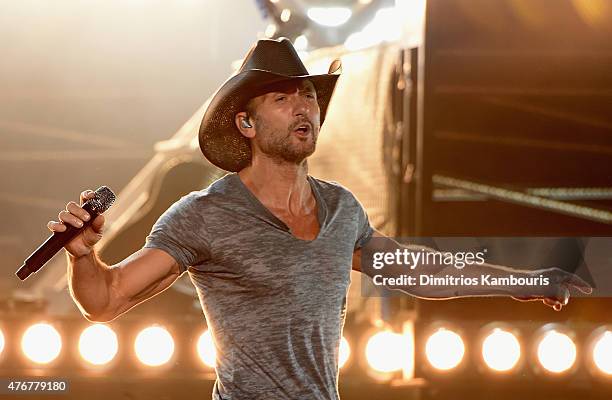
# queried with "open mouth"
point(303, 130)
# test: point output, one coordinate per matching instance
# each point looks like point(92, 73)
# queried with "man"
point(268, 247)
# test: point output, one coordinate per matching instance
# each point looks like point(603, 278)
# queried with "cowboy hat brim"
point(220, 140)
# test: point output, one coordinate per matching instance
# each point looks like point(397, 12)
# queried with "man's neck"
point(280, 186)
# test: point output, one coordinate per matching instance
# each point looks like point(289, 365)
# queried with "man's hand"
point(74, 214)
point(556, 294)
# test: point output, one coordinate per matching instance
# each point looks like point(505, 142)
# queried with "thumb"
point(561, 296)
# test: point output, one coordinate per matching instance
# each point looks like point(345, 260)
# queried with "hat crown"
point(277, 56)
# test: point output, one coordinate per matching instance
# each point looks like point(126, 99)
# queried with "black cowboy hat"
point(267, 62)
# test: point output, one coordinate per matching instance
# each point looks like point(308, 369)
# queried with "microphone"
point(104, 198)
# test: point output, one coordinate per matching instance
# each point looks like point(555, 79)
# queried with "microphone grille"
point(103, 200)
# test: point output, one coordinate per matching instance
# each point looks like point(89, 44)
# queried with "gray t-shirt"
point(275, 304)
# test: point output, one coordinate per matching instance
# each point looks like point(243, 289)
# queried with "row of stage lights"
point(554, 350)
point(386, 352)
point(500, 349)
point(98, 345)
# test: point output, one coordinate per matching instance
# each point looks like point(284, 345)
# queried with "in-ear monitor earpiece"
point(245, 123)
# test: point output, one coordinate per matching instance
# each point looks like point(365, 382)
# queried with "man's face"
point(287, 121)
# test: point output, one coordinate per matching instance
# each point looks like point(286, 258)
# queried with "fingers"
point(563, 295)
point(94, 233)
point(523, 298)
point(552, 303)
point(86, 195)
point(580, 284)
point(560, 298)
point(557, 301)
point(70, 219)
point(77, 211)
point(570, 279)
point(74, 215)
point(98, 224)
point(55, 226)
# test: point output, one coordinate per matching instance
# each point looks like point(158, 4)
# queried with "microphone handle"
point(52, 245)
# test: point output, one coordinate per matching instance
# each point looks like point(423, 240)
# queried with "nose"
point(301, 105)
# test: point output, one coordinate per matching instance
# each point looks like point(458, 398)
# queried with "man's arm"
point(104, 292)
point(555, 295)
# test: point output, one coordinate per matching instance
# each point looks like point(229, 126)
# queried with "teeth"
point(303, 128)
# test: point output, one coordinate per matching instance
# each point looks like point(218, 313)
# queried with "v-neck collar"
point(321, 206)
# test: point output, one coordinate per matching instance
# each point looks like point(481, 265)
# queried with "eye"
point(280, 98)
point(310, 95)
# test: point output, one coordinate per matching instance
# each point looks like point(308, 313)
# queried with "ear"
point(239, 121)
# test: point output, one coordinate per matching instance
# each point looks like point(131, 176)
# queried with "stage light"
point(344, 352)
point(300, 43)
point(386, 26)
point(41, 343)
point(602, 352)
point(206, 349)
point(154, 346)
point(501, 350)
point(331, 16)
point(384, 352)
point(1, 342)
point(556, 352)
point(270, 30)
point(98, 344)
point(285, 15)
point(444, 349)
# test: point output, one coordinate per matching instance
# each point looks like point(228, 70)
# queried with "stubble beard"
point(280, 146)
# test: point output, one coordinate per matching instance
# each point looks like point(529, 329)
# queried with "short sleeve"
point(365, 230)
point(179, 231)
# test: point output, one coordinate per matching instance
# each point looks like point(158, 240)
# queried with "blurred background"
point(453, 118)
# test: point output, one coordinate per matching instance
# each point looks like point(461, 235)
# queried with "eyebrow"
point(292, 89)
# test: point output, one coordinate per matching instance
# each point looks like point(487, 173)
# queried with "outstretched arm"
point(555, 293)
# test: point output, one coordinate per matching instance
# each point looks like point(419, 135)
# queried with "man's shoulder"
point(329, 185)
point(334, 189)
point(226, 185)
point(220, 189)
